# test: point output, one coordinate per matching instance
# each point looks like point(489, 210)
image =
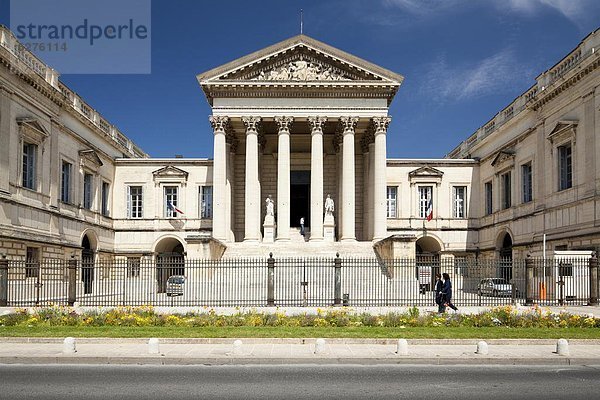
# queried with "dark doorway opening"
point(505, 265)
point(299, 198)
point(427, 259)
point(87, 265)
point(169, 262)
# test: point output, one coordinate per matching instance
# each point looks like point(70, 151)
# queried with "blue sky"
point(462, 61)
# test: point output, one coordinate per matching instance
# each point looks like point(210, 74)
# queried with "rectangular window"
point(133, 267)
point(459, 197)
point(489, 198)
point(565, 171)
point(425, 197)
point(392, 201)
point(206, 202)
point(506, 190)
point(105, 191)
point(526, 176)
point(65, 188)
point(29, 163)
point(134, 202)
point(87, 191)
point(171, 201)
point(32, 263)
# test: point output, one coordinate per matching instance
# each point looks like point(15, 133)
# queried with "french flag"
point(429, 211)
point(173, 208)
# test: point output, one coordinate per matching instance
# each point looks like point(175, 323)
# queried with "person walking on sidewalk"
point(302, 226)
point(439, 285)
point(447, 293)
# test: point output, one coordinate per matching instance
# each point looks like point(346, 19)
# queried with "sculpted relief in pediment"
point(302, 71)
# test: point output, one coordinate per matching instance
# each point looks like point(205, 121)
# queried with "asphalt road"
point(297, 382)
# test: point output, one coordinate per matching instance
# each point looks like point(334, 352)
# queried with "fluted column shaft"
point(219, 218)
point(252, 192)
point(380, 181)
point(283, 177)
point(348, 182)
point(316, 178)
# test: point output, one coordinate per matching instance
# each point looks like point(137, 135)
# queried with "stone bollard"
point(320, 346)
point(402, 347)
point(153, 346)
point(237, 347)
point(562, 347)
point(482, 348)
point(69, 346)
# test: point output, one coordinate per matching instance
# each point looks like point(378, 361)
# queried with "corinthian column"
point(219, 225)
point(283, 177)
point(316, 177)
point(380, 181)
point(348, 180)
point(252, 193)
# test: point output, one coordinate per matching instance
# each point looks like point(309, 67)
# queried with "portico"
point(298, 121)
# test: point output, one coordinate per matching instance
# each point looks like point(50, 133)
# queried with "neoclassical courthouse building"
point(297, 122)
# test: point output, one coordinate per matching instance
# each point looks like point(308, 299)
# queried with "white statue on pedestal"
point(329, 206)
point(270, 206)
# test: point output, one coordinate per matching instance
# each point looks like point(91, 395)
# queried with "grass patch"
point(439, 332)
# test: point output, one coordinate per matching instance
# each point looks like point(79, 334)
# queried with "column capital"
point(284, 123)
point(252, 124)
point(220, 123)
point(317, 124)
point(348, 124)
point(380, 124)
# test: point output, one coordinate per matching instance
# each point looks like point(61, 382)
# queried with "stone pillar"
point(283, 177)
point(316, 178)
point(380, 180)
point(219, 222)
point(349, 181)
point(252, 195)
point(6, 128)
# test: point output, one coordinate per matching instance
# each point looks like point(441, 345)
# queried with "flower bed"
point(146, 316)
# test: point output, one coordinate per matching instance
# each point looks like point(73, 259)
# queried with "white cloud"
point(574, 10)
point(496, 73)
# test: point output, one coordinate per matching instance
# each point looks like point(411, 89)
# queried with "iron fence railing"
point(176, 281)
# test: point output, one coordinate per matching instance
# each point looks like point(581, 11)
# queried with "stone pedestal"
point(329, 229)
point(269, 229)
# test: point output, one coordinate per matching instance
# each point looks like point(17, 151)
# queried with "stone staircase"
point(299, 246)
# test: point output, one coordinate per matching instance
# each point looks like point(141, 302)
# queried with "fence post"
point(3, 281)
point(529, 280)
point(271, 281)
point(72, 291)
point(337, 292)
point(593, 264)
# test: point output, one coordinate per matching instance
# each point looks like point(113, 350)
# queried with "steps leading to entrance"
point(299, 248)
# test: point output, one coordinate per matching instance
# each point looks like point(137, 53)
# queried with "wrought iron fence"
point(176, 281)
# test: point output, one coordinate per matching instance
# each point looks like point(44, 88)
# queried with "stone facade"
point(297, 121)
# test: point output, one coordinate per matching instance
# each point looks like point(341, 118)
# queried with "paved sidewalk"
point(295, 351)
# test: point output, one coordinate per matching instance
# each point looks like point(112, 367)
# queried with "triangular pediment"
point(300, 58)
point(32, 129)
point(428, 172)
point(503, 155)
point(90, 158)
point(562, 127)
point(170, 171)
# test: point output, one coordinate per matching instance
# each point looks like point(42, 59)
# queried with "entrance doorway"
point(505, 265)
point(428, 262)
point(170, 261)
point(87, 265)
point(299, 198)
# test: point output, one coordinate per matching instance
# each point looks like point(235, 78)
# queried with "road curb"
point(393, 341)
point(299, 361)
